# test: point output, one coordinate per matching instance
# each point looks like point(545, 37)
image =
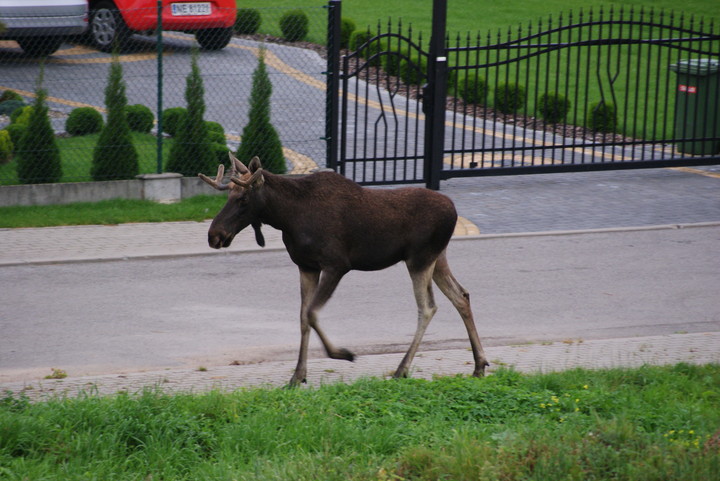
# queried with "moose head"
point(240, 210)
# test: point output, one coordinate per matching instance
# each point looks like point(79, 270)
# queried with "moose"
point(331, 225)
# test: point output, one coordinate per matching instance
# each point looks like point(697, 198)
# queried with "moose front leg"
point(315, 290)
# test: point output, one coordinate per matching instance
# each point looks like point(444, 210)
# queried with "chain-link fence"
point(92, 110)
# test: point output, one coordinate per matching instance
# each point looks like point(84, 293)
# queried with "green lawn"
point(473, 15)
point(652, 423)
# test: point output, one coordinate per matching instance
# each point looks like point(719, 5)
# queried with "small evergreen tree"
point(115, 156)
point(259, 137)
point(191, 153)
point(38, 156)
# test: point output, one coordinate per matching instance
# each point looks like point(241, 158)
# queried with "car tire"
point(214, 38)
point(40, 46)
point(107, 30)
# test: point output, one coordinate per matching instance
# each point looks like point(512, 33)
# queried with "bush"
point(413, 72)
point(603, 117)
point(391, 63)
point(220, 153)
point(115, 156)
point(358, 39)
point(10, 95)
point(509, 97)
point(172, 118)
point(16, 132)
point(6, 147)
point(248, 21)
point(473, 89)
point(9, 106)
point(38, 156)
point(294, 25)
point(139, 118)
point(347, 27)
point(553, 107)
point(21, 116)
point(215, 127)
point(83, 121)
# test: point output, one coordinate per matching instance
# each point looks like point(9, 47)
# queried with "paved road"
point(184, 312)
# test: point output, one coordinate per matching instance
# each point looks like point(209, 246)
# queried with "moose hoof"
point(343, 354)
point(401, 374)
point(295, 382)
point(480, 371)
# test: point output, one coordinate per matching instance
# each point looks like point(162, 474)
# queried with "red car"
point(114, 21)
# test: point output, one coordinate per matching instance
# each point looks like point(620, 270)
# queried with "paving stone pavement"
point(695, 348)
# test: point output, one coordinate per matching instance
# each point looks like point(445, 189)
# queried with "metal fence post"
point(434, 98)
point(332, 83)
point(159, 88)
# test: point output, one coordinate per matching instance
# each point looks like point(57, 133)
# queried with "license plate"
point(191, 8)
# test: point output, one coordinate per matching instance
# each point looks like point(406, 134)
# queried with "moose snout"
point(219, 239)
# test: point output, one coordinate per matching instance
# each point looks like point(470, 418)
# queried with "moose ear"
point(255, 164)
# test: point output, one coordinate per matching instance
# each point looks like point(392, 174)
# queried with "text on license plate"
point(191, 8)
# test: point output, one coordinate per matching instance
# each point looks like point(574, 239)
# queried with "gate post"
point(434, 98)
point(332, 84)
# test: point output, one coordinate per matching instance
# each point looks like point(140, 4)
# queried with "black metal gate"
point(595, 91)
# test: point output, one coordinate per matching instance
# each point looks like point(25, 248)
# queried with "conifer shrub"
point(347, 27)
point(553, 107)
point(259, 137)
point(115, 156)
point(9, 106)
point(6, 147)
point(602, 117)
point(248, 21)
point(473, 88)
point(38, 156)
point(140, 118)
point(172, 118)
point(83, 121)
point(509, 97)
point(191, 153)
point(294, 25)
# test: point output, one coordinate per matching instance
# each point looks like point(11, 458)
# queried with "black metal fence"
point(611, 89)
point(155, 65)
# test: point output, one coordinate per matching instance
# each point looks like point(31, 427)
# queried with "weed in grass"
point(57, 374)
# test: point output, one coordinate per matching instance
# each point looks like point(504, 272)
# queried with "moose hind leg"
point(422, 288)
point(460, 298)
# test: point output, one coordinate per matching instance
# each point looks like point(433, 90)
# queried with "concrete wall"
point(158, 187)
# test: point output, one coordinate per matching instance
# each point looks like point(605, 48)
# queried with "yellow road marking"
point(690, 170)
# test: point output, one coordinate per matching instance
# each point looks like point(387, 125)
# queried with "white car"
point(41, 26)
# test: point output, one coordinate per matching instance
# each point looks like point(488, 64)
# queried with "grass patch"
point(116, 211)
point(635, 424)
point(76, 156)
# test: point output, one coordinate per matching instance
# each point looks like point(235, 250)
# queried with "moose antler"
point(237, 167)
point(217, 181)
